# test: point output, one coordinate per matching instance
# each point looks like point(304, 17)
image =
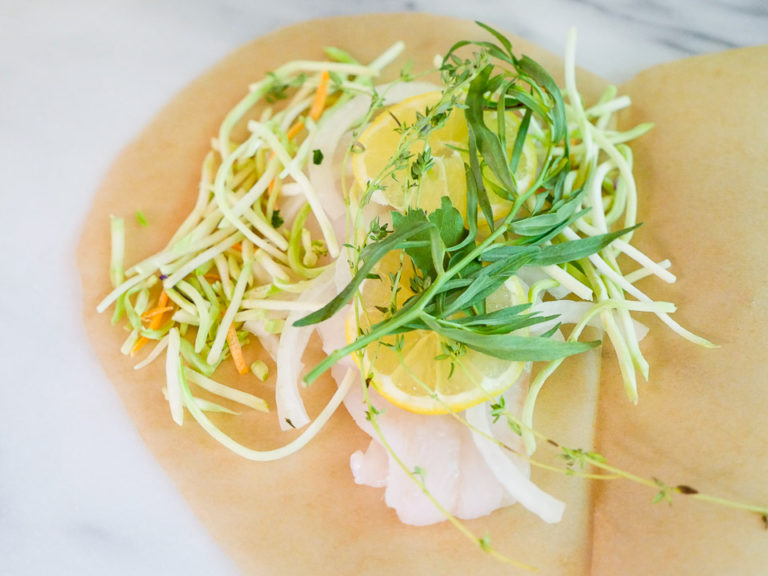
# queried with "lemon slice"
point(448, 145)
point(421, 375)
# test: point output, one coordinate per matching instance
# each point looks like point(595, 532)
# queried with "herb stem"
point(730, 503)
point(412, 310)
point(419, 480)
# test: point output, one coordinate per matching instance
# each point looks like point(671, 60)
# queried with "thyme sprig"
point(577, 460)
point(417, 474)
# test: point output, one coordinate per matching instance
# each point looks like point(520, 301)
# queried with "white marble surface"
point(79, 492)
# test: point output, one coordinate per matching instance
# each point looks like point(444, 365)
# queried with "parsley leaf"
point(277, 220)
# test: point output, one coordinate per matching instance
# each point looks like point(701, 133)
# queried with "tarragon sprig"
point(458, 270)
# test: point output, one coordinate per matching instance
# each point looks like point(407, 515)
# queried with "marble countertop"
point(79, 492)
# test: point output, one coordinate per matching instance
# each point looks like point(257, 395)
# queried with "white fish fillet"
point(462, 473)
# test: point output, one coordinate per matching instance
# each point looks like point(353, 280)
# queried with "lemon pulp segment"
point(419, 373)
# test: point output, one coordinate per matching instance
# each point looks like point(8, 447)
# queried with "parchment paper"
point(703, 177)
point(305, 514)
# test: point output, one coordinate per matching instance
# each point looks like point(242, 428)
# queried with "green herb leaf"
point(484, 138)
point(511, 347)
point(561, 253)
point(447, 219)
point(548, 224)
point(370, 256)
point(419, 248)
point(540, 76)
point(503, 321)
point(503, 40)
point(488, 279)
point(277, 220)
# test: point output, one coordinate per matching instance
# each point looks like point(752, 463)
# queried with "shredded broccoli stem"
point(174, 376)
point(229, 315)
point(202, 307)
point(278, 453)
point(224, 391)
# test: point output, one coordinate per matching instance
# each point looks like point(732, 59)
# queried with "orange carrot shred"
point(320, 96)
point(295, 129)
point(236, 350)
point(156, 317)
point(150, 314)
point(140, 343)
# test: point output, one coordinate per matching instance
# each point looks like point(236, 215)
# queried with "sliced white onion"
point(293, 343)
point(517, 484)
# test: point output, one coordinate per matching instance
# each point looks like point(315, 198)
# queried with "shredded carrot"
point(140, 343)
point(315, 110)
point(236, 350)
point(213, 277)
point(238, 247)
point(155, 311)
point(320, 96)
point(156, 317)
point(294, 130)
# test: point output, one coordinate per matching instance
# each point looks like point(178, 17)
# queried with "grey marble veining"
point(79, 493)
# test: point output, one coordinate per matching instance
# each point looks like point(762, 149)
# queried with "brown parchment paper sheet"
point(703, 180)
point(304, 514)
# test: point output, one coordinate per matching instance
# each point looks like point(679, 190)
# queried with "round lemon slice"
point(420, 371)
point(449, 148)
